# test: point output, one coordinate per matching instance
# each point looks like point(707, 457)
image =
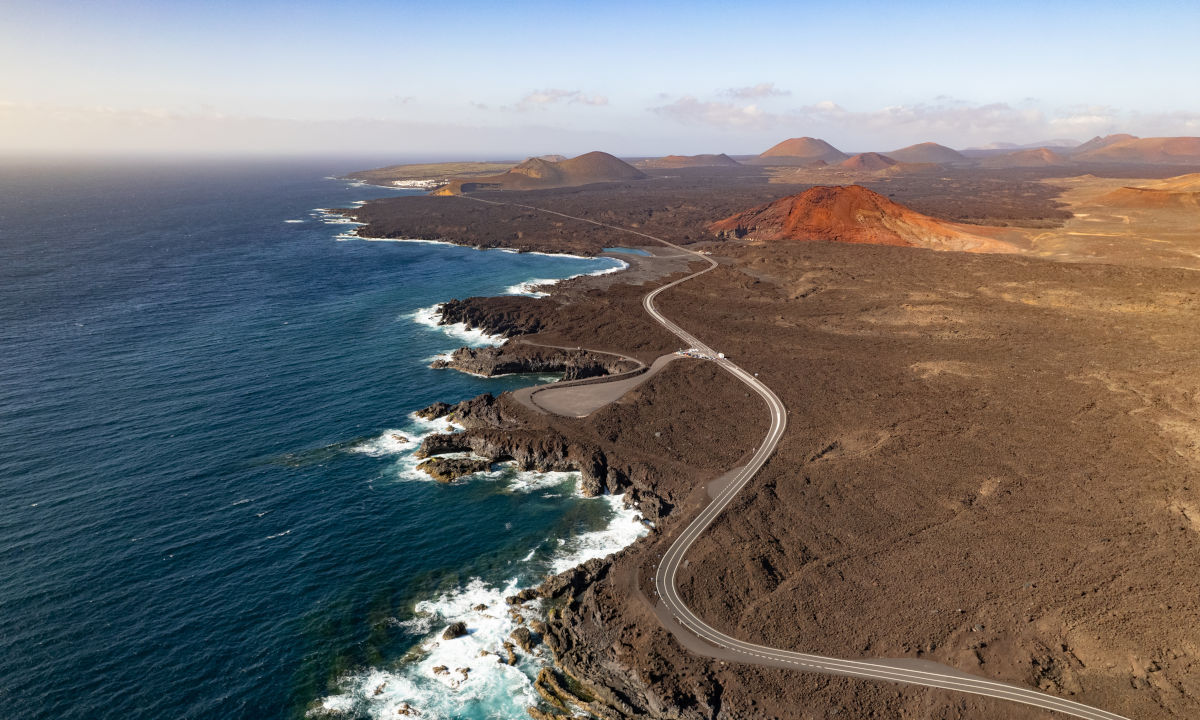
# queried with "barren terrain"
point(991, 460)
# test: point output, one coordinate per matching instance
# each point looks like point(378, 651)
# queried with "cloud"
point(755, 92)
point(552, 96)
point(945, 119)
point(688, 109)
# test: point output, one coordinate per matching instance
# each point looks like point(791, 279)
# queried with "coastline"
point(522, 598)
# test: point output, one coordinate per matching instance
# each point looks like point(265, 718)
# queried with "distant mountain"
point(1060, 145)
point(686, 161)
point(1130, 149)
point(538, 174)
point(1098, 142)
point(928, 152)
point(1055, 143)
point(868, 161)
point(851, 214)
point(800, 151)
point(1036, 157)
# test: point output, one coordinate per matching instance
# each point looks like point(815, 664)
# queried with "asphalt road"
point(726, 647)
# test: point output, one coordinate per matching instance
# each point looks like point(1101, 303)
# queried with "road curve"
point(730, 648)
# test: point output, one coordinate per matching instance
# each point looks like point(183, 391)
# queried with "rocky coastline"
point(582, 678)
point(512, 358)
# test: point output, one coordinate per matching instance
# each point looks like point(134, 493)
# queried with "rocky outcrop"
point(524, 638)
point(455, 630)
point(479, 411)
point(542, 451)
point(521, 358)
point(447, 470)
point(435, 411)
point(503, 316)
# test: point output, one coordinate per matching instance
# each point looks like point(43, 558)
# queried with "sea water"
point(210, 503)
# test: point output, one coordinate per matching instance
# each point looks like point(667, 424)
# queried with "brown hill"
point(1165, 150)
point(539, 174)
point(685, 161)
point(800, 151)
point(928, 152)
point(851, 214)
point(1179, 192)
point(1101, 142)
point(868, 161)
point(1131, 197)
point(1182, 183)
point(1034, 157)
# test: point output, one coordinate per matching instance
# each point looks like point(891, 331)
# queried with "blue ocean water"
point(206, 510)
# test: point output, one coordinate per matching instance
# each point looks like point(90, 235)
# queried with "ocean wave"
point(395, 441)
point(430, 317)
point(625, 527)
point(528, 287)
point(293, 221)
point(621, 265)
point(487, 688)
point(431, 681)
point(329, 217)
point(390, 442)
point(404, 240)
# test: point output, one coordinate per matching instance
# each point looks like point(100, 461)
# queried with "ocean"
point(210, 505)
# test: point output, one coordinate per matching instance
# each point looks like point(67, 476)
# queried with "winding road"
point(726, 647)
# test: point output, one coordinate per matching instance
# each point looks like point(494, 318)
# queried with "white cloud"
point(755, 92)
point(688, 109)
point(945, 120)
point(544, 98)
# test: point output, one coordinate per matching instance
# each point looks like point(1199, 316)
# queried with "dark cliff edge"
point(584, 678)
point(511, 358)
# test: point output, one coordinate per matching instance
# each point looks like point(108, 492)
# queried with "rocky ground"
point(991, 462)
point(520, 357)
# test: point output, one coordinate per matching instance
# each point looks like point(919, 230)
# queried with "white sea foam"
point(430, 317)
point(529, 287)
point(390, 442)
point(489, 688)
point(332, 218)
point(530, 480)
point(403, 240)
point(616, 268)
point(293, 221)
point(393, 441)
point(625, 527)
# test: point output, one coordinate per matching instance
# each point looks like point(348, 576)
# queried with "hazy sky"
point(517, 78)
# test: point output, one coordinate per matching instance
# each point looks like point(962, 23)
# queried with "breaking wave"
point(430, 317)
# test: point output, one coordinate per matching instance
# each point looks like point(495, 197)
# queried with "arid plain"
point(993, 440)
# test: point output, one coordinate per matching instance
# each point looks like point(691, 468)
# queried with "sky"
point(439, 80)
